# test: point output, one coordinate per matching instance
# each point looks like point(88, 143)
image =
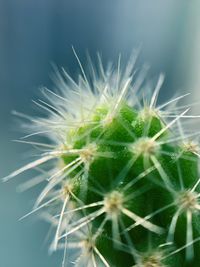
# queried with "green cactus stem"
point(121, 174)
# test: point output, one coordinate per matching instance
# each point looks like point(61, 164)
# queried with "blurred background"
point(33, 34)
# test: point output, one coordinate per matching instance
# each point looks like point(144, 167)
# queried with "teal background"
point(33, 34)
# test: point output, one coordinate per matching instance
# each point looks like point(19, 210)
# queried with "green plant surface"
point(120, 174)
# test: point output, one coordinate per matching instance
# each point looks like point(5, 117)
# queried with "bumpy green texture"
point(120, 175)
point(145, 184)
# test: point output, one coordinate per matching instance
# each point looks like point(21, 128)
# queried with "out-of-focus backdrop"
point(33, 34)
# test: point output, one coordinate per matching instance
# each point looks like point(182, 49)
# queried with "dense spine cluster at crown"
point(120, 173)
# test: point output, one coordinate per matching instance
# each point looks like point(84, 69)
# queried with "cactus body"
point(122, 189)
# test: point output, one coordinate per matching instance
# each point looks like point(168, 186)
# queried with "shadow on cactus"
point(120, 173)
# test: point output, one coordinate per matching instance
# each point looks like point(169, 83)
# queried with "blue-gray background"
point(35, 33)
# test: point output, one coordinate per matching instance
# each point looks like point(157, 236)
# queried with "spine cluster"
point(120, 173)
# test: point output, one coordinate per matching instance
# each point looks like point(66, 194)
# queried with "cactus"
point(120, 173)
